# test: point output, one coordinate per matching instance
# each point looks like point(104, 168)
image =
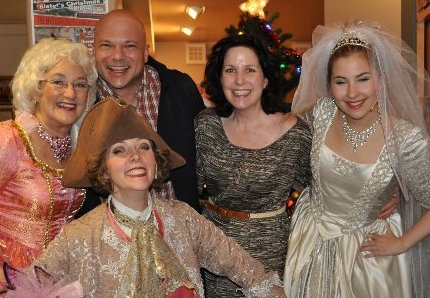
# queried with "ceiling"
point(169, 16)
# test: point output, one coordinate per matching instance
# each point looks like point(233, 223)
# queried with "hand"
point(382, 245)
point(389, 207)
point(3, 283)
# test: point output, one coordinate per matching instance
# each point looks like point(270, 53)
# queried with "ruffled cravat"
point(152, 269)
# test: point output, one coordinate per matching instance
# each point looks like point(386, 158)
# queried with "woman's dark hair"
point(98, 178)
point(272, 100)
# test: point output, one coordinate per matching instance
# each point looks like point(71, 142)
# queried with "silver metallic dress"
point(340, 208)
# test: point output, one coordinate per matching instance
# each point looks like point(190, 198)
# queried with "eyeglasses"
point(62, 85)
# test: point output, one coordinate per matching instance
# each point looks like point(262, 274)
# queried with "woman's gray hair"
point(38, 60)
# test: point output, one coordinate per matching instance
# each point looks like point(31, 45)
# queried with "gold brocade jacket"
point(92, 251)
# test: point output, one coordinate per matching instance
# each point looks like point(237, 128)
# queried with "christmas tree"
point(289, 60)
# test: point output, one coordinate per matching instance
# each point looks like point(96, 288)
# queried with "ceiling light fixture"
point(194, 11)
point(187, 30)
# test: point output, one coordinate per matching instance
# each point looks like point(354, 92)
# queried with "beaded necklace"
point(122, 218)
point(60, 146)
point(356, 138)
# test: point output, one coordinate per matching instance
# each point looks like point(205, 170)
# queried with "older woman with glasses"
point(51, 91)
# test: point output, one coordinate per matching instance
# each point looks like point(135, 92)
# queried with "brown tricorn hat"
point(109, 122)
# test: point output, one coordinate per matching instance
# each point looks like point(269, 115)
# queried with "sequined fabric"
point(340, 208)
point(25, 196)
point(151, 268)
point(255, 181)
point(94, 251)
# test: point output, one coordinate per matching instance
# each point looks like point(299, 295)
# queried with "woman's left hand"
point(382, 245)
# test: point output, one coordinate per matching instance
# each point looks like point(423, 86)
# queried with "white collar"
point(134, 214)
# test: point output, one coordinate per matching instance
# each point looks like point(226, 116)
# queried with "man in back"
point(167, 98)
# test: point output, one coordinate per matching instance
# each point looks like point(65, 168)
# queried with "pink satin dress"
point(33, 204)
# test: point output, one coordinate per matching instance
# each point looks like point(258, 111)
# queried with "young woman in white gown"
point(358, 92)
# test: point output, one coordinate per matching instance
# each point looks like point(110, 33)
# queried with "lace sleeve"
point(223, 256)
point(55, 258)
point(415, 172)
point(415, 165)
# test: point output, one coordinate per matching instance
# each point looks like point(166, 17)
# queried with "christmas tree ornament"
point(254, 7)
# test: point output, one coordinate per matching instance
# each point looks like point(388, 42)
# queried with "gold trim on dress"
point(46, 170)
point(122, 218)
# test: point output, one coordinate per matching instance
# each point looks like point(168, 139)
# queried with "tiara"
point(347, 38)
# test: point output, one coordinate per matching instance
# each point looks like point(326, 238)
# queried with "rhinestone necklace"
point(60, 146)
point(356, 138)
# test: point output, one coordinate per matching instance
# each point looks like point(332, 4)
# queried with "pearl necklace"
point(60, 146)
point(356, 138)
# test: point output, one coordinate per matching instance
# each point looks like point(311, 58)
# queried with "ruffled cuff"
point(271, 287)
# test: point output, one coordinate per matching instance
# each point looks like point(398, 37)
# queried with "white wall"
point(386, 12)
point(13, 40)
point(172, 54)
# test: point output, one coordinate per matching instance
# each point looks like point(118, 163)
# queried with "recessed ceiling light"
point(194, 11)
point(187, 31)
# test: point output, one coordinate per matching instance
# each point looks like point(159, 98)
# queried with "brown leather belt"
point(224, 212)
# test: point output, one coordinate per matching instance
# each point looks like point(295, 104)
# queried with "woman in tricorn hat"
point(136, 245)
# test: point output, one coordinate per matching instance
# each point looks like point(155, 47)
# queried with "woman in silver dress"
point(358, 92)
